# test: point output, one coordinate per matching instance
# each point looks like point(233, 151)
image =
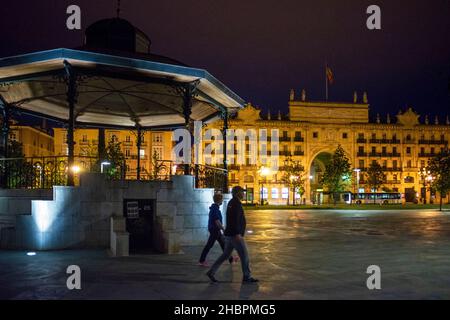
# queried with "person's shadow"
point(247, 290)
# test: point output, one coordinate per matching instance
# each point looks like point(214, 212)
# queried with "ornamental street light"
point(293, 178)
point(263, 172)
point(357, 180)
point(76, 169)
point(427, 179)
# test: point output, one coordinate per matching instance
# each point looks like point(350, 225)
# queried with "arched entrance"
point(316, 171)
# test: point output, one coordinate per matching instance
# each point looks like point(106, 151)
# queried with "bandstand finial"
point(118, 9)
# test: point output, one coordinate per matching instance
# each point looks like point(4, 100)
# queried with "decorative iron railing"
point(41, 172)
point(46, 172)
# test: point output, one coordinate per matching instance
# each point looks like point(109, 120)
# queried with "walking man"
point(234, 237)
point(215, 228)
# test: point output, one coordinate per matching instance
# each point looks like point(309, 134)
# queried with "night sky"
point(261, 49)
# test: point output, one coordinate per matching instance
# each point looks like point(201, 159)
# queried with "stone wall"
point(80, 217)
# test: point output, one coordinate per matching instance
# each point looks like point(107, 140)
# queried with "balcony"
point(299, 153)
point(393, 169)
point(285, 139)
point(385, 141)
point(243, 166)
point(409, 141)
point(84, 142)
point(285, 153)
point(392, 182)
point(135, 157)
point(422, 141)
point(361, 154)
point(361, 140)
point(390, 154)
point(389, 169)
point(299, 139)
point(427, 155)
point(127, 143)
point(375, 154)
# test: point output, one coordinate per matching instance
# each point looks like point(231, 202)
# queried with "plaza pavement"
point(295, 254)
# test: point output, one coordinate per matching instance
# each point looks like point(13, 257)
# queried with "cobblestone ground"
point(295, 254)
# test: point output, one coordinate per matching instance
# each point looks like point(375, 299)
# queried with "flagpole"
point(326, 82)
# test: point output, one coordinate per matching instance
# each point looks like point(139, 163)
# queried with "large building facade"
point(86, 144)
point(36, 142)
point(311, 132)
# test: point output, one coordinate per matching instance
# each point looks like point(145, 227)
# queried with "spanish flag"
point(330, 76)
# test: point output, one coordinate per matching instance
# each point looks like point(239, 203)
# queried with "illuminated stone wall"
point(79, 217)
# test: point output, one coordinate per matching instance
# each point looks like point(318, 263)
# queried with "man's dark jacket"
point(235, 218)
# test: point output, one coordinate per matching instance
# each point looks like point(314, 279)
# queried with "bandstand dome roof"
point(119, 82)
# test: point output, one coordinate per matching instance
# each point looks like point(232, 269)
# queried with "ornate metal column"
point(188, 93)
point(5, 129)
point(5, 138)
point(71, 100)
point(139, 143)
point(101, 144)
point(225, 160)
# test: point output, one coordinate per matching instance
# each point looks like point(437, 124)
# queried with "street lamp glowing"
point(358, 171)
point(104, 163)
point(76, 169)
point(264, 171)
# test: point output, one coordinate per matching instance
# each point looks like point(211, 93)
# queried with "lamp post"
point(357, 181)
point(427, 179)
point(430, 179)
point(264, 172)
point(293, 178)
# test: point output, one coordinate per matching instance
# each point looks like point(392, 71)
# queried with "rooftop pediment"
point(408, 118)
point(249, 113)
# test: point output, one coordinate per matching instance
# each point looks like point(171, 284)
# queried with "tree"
point(15, 149)
point(439, 168)
point(375, 177)
point(293, 177)
point(159, 168)
point(337, 174)
point(116, 158)
point(17, 172)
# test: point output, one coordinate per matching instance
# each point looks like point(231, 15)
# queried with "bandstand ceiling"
point(111, 90)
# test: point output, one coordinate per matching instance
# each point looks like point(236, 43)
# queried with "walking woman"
point(215, 228)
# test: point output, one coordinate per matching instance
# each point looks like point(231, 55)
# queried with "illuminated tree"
point(439, 168)
point(116, 158)
point(293, 177)
point(337, 174)
point(375, 177)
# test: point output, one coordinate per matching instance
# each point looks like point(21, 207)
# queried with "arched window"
point(248, 179)
point(409, 179)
